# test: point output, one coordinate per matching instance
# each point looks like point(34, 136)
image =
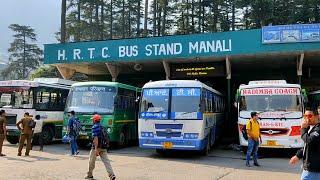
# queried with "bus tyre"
point(244, 149)
point(13, 139)
point(161, 152)
point(47, 134)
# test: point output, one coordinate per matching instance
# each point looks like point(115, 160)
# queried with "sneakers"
point(112, 177)
point(88, 177)
point(19, 154)
point(248, 164)
point(256, 164)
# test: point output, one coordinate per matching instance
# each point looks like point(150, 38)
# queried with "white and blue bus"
point(180, 114)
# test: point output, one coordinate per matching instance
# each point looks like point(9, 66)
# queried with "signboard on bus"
point(291, 33)
point(270, 91)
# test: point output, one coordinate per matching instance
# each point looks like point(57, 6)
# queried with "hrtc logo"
point(168, 131)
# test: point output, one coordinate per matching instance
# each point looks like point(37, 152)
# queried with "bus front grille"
point(168, 130)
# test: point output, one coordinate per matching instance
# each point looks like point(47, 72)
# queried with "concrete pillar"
point(166, 67)
point(113, 70)
point(65, 72)
point(228, 73)
point(300, 60)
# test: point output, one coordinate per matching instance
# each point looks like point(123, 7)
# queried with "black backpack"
point(244, 132)
point(32, 124)
point(104, 139)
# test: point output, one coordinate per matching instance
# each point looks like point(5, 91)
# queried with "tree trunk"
point(91, 21)
point(24, 55)
point(102, 21)
point(97, 24)
point(233, 16)
point(192, 17)
point(63, 21)
point(187, 18)
point(202, 20)
point(129, 20)
point(159, 18)
point(123, 20)
point(215, 16)
point(138, 18)
point(78, 35)
point(111, 19)
point(199, 16)
point(164, 18)
point(145, 24)
point(154, 20)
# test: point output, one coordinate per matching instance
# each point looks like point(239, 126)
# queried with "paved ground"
point(134, 163)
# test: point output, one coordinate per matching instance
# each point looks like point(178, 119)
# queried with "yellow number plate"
point(271, 143)
point(167, 145)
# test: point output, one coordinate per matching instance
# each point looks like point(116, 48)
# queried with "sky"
point(42, 15)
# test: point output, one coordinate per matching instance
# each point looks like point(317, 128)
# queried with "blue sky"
point(42, 15)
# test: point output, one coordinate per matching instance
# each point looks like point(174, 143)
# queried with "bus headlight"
point(83, 128)
point(191, 135)
point(64, 128)
point(146, 134)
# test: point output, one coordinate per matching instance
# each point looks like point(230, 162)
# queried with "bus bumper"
point(195, 144)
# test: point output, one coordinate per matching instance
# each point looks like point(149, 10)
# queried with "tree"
point(63, 20)
point(45, 72)
point(25, 56)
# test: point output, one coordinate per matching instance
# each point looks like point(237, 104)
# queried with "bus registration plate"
point(271, 143)
point(167, 145)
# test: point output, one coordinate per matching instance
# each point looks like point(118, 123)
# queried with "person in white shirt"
point(37, 131)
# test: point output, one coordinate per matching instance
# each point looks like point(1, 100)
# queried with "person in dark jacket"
point(310, 154)
point(72, 134)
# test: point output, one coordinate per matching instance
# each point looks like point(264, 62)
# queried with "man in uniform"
point(3, 130)
point(26, 133)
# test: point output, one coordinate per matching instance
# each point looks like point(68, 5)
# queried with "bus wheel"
point(13, 139)
point(244, 149)
point(47, 134)
point(122, 139)
point(161, 152)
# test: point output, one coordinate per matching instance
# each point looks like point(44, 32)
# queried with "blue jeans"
point(252, 149)
point(306, 175)
point(73, 145)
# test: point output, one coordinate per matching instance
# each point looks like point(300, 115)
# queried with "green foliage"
point(113, 19)
point(25, 55)
point(46, 72)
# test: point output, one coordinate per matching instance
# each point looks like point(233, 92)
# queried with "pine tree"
point(25, 56)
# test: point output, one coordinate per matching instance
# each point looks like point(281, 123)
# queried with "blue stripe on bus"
point(169, 126)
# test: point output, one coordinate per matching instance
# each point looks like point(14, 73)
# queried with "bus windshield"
point(185, 103)
point(13, 97)
point(90, 99)
point(271, 103)
point(155, 100)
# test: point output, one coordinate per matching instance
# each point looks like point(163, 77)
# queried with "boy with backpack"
point(73, 130)
point(99, 148)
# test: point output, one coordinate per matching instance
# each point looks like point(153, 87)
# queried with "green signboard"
point(180, 47)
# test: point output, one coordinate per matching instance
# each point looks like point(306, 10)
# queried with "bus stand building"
point(222, 60)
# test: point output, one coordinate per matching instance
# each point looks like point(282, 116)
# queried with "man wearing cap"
point(254, 137)
point(98, 150)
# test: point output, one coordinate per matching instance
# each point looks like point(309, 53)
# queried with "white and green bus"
point(42, 96)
